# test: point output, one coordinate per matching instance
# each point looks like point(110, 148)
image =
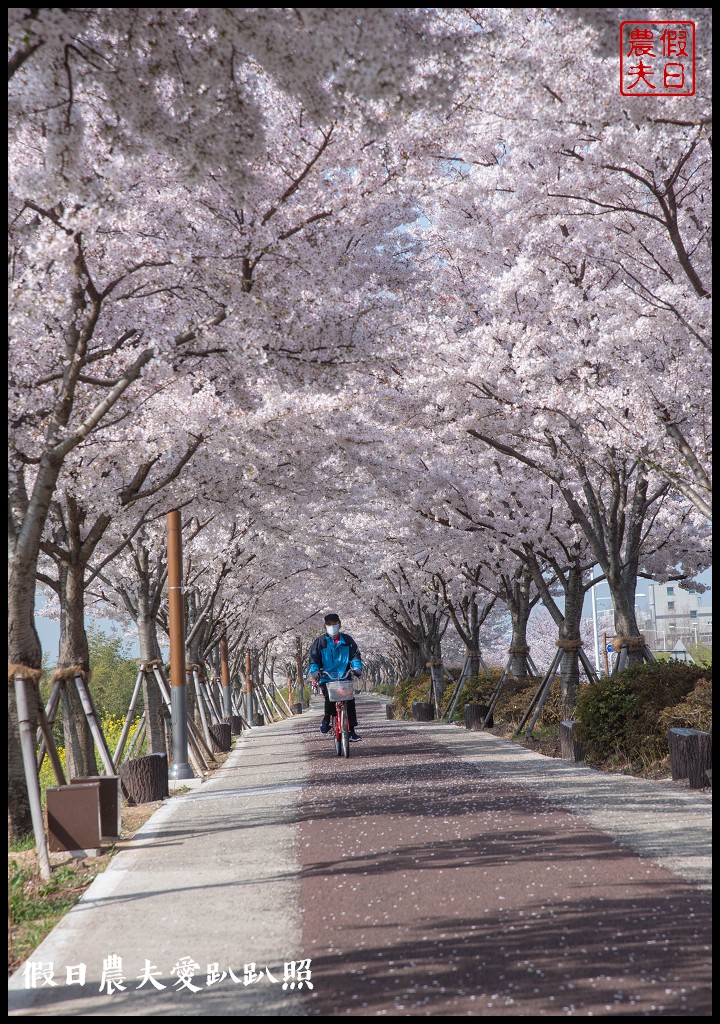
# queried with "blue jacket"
point(334, 658)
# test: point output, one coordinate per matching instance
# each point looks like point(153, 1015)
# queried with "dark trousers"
point(350, 705)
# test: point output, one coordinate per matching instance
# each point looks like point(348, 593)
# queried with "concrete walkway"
point(243, 873)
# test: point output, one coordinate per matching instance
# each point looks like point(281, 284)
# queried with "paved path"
point(435, 872)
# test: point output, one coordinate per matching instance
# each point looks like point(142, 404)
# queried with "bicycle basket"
point(340, 689)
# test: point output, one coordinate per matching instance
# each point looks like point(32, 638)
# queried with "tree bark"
point(20, 823)
point(690, 756)
point(145, 779)
point(23, 649)
point(221, 737)
point(568, 619)
point(473, 638)
point(79, 745)
point(422, 711)
point(570, 631)
point(699, 758)
point(150, 651)
point(475, 715)
point(299, 669)
point(571, 749)
point(517, 597)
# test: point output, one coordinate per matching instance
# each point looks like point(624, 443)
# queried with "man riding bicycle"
point(337, 655)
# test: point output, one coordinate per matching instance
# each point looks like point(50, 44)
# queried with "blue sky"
point(49, 629)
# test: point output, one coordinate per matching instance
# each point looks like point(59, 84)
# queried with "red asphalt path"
point(430, 889)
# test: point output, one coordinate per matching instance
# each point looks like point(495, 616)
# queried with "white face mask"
point(333, 630)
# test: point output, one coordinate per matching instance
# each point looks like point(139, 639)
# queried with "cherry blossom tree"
point(439, 315)
point(83, 132)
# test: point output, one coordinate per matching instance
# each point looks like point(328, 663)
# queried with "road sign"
point(609, 648)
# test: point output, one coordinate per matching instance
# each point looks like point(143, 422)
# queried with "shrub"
point(515, 699)
point(409, 690)
point(695, 712)
point(621, 717)
point(477, 690)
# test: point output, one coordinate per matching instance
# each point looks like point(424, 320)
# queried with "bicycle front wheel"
point(336, 725)
point(345, 734)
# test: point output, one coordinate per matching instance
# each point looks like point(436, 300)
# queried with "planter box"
point(109, 802)
point(73, 815)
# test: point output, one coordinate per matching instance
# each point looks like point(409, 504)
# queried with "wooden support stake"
point(198, 744)
point(50, 713)
point(117, 758)
point(589, 670)
point(27, 745)
point(211, 698)
point(276, 706)
point(91, 715)
point(261, 697)
point(201, 706)
point(540, 694)
point(50, 710)
point(135, 740)
point(49, 743)
point(458, 688)
point(496, 692)
point(285, 703)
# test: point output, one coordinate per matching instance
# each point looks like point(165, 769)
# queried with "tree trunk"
point(515, 592)
point(622, 590)
point(475, 715)
point(23, 640)
point(620, 565)
point(569, 669)
point(422, 711)
point(299, 668)
point(145, 779)
point(221, 737)
point(690, 756)
point(20, 822)
point(518, 644)
point(571, 749)
point(79, 744)
point(150, 651)
point(414, 659)
point(699, 758)
point(436, 670)
point(23, 649)
point(474, 637)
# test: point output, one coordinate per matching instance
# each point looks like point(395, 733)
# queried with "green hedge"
point(625, 717)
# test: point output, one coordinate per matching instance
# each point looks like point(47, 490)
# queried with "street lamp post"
point(596, 629)
point(595, 624)
point(180, 768)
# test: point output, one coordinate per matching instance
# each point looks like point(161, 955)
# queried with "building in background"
point(666, 614)
point(672, 614)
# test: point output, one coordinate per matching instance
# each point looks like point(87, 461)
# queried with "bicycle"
point(339, 691)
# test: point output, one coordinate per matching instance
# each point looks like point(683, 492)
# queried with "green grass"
point(24, 843)
point(36, 906)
